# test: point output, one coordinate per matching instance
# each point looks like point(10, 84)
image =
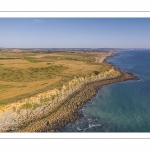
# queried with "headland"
point(50, 110)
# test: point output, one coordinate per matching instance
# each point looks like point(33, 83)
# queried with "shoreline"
point(68, 111)
point(53, 119)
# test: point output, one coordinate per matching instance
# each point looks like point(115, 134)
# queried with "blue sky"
point(75, 32)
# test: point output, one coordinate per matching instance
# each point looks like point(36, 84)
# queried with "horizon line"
point(71, 48)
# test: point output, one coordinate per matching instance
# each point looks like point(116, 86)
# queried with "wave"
point(94, 125)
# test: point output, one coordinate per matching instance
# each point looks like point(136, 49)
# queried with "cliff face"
point(67, 111)
point(34, 107)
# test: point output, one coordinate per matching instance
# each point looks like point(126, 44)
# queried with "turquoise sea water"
point(120, 107)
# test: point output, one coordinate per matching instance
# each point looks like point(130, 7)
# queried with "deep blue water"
point(120, 107)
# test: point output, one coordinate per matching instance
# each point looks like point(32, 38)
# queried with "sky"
point(75, 32)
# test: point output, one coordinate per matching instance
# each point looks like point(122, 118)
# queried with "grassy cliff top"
point(25, 73)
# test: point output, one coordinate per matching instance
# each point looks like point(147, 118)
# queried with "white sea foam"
point(94, 125)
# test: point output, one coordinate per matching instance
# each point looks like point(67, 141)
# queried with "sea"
point(123, 106)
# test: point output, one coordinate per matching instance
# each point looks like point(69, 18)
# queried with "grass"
point(34, 106)
point(77, 58)
point(33, 73)
point(26, 106)
point(8, 54)
point(31, 60)
point(30, 74)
